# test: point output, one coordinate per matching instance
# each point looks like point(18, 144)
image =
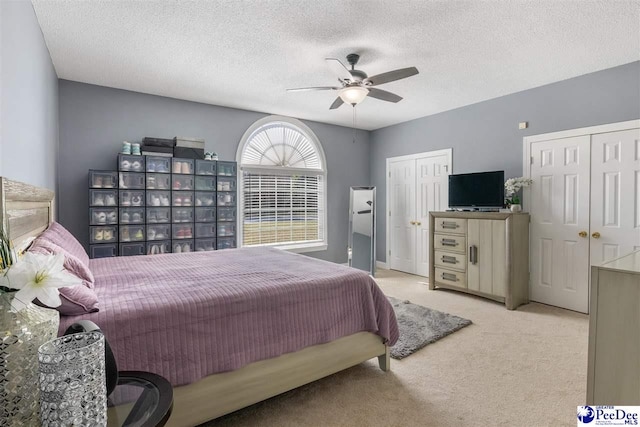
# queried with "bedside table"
point(140, 399)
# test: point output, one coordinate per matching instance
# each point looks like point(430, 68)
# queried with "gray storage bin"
point(227, 214)
point(205, 183)
point(131, 233)
point(226, 184)
point(182, 166)
point(182, 182)
point(226, 229)
point(103, 179)
point(205, 215)
point(181, 214)
point(132, 180)
point(226, 198)
point(227, 168)
point(182, 198)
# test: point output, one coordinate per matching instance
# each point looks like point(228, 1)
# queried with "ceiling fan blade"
point(301, 89)
point(383, 95)
point(392, 76)
point(338, 102)
point(339, 69)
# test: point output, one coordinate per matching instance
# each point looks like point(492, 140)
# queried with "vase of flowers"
point(25, 326)
point(512, 187)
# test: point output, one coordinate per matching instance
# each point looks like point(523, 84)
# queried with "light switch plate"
point(523, 125)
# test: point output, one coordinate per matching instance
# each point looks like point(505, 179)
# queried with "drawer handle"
point(450, 225)
point(449, 242)
point(449, 259)
point(450, 277)
point(473, 254)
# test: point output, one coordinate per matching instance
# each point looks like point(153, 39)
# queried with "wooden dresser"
point(613, 376)
point(481, 253)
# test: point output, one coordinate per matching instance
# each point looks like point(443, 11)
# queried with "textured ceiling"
point(244, 54)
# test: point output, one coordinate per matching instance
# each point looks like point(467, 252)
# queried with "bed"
point(228, 328)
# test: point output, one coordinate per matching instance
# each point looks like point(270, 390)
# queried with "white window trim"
point(320, 245)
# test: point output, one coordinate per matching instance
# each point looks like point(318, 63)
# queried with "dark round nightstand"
point(141, 399)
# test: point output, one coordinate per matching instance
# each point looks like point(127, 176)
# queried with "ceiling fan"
point(355, 85)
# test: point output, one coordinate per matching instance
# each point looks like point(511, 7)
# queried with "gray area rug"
point(420, 326)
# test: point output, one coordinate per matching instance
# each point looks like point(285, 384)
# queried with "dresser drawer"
point(451, 277)
point(451, 260)
point(450, 242)
point(451, 225)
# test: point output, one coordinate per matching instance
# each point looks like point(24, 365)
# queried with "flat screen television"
point(483, 190)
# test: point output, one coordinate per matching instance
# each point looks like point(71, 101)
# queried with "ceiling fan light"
point(353, 94)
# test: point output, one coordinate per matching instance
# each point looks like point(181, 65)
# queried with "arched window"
point(282, 186)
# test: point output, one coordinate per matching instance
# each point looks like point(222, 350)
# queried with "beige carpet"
point(509, 368)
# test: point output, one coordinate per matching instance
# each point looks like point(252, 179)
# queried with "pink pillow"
point(58, 235)
point(78, 299)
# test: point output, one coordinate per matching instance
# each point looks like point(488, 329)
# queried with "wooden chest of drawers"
point(484, 254)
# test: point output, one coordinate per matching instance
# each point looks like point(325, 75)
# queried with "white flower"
point(513, 185)
point(38, 276)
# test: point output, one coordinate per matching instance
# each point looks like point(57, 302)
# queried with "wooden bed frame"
point(28, 210)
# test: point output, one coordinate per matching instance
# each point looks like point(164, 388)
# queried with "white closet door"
point(615, 194)
point(559, 213)
point(432, 174)
point(403, 208)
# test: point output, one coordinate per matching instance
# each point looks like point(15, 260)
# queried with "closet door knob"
point(412, 222)
point(596, 235)
point(583, 234)
point(418, 223)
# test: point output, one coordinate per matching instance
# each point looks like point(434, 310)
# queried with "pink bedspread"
point(186, 316)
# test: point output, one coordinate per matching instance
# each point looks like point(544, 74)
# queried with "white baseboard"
point(382, 265)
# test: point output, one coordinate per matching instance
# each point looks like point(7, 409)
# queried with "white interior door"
point(432, 174)
point(615, 194)
point(559, 211)
point(402, 235)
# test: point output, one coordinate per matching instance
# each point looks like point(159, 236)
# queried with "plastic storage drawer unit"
point(158, 232)
point(103, 179)
point(206, 183)
point(182, 214)
point(103, 197)
point(103, 251)
point(179, 246)
point(182, 166)
point(182, 198)
point(182, 231)
point(158, 215)
point(205, 167)
point(182, 182)
point(158, 181)
point(226, 199)
point(159, 247)
point(157, 164)
point(226, 243)
point(128, 163)
point(103, 216)
point(131, 215)
point(103, 234)
point(205, 198)
point(156, 198)
point(226, 184)
point(132, 180)
point(226, 229)
point(226, 214)
point(205, 215)
point(130, 198)
point(227, 169)
point(131, 233)
point(205, 230)
point(132, 249)
point(205, 245)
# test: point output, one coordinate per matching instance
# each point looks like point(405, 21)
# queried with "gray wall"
point(485, 136)
point(28, 99)
point(94, 121)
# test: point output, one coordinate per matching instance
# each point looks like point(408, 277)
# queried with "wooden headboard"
point(25, 211)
